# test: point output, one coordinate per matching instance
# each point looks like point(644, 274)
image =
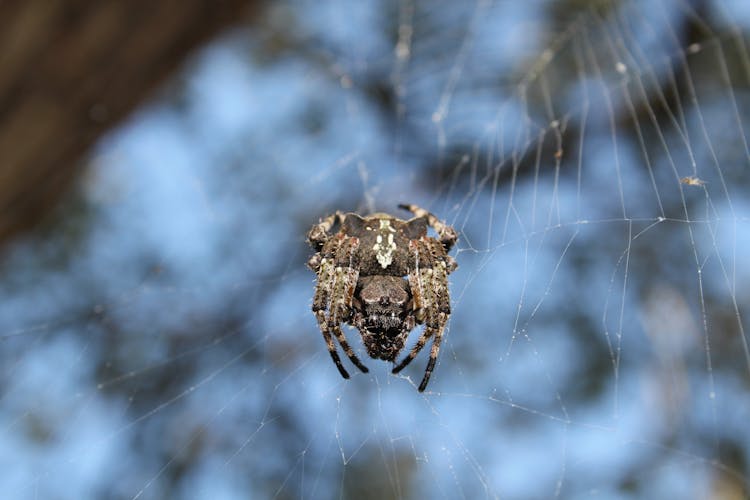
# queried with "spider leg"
point(344, 282)
point(323, 288)
point(428, 283)
point(446, 233)
point(417, 279)
point(344, 276)
point(437, 334)
point(320, 232)
point(348, 350)
point(441, 267)
point(420, 283)
point(433, 353)
point(333, 293)
point(439, 303)
point(426, 334)
point(320, 303)
point(323, 324)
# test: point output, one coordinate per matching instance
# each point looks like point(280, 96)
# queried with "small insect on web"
point(384, 276)
point(693, 181)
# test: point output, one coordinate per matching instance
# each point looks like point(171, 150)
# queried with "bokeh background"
point(156, 339)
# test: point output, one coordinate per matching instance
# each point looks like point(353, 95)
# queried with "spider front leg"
point(348, 350)
point(323, 325)
point(414, 351)
point(326, 325)
point(429, 287)
point(434, 350)
point(346, 274)
point(320, 233)
point(337, 279)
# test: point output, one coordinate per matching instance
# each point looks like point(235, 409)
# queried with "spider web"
point(157, 339)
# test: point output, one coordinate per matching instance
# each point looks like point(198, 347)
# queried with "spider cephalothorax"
point(382, 275)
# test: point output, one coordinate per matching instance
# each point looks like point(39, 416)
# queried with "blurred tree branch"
point(70, 70)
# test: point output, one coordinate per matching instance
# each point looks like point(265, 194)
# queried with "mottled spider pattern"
point(384, 276)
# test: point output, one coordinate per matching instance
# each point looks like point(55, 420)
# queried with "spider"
point(383, 276)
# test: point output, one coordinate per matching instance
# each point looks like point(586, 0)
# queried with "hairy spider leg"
point(446, 233)
point(345, 276)
point(428, 296)
point(441, 268)
point(323, 325)
point(414, 351)
point(416, 280)
point(321, 301)
point(434, 350)
point(321, 232)
point(439, 284)
point(348, 350)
